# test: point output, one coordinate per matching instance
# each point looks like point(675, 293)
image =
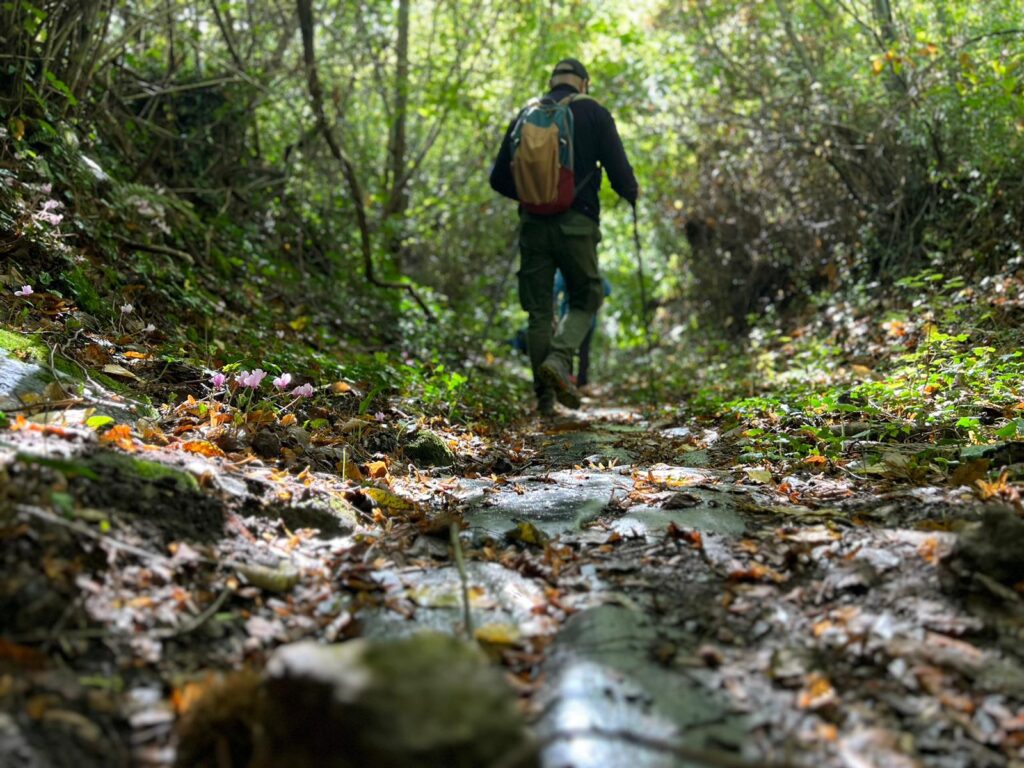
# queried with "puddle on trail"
point(602, 676)
point(566, 502)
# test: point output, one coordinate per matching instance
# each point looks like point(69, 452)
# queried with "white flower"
point(26, 290)
point(127, 309)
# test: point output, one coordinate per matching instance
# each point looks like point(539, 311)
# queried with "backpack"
point(542, 155)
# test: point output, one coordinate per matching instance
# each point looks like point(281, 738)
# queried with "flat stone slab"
point(19, 378)
point(602, 676)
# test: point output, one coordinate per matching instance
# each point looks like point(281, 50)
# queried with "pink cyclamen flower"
point(26, 290)
point(306, 390)
point(127, 309)
point(217, 380)
point(252, 380)
point(282, 381)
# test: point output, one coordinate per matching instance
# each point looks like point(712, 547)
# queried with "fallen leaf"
point(527, 533)
point(377, 469)
point(817, 692)
point(202, 448)
point(117, 370)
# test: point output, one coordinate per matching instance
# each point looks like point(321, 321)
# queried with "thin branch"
point(162, 249)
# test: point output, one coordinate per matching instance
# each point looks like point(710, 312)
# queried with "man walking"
point(566, 240)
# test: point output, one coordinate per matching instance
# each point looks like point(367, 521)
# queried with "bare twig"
point(467, 618)
point(49, 517)
point(161, 249)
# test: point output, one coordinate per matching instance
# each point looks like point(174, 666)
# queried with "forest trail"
point(655, 603)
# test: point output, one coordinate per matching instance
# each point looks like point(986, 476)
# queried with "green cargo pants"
point(566, 241)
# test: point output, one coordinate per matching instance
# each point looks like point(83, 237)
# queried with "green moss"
point(84, 292)
point(429, 448)
point(150, 471)
point(23, 346)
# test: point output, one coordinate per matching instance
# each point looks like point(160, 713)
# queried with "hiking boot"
point(546, 404)
point(555, 375)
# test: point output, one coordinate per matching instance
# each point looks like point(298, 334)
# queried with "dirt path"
point(655, 605)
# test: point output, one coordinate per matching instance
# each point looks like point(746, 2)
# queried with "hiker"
point(582, 377)
point(556, 185)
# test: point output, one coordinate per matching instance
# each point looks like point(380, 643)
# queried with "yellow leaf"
point(498, 634)
point(299, 323)
point(18, 129)
point(341, 387)
point(288, 419)
point(388, 501)
point(528, 533)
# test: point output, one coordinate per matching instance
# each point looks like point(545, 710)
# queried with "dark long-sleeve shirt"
point(596, 140)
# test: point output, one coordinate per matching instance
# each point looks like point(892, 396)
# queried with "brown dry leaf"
point(350, 470)
point(756, 572)
point(970, 472)
point(131, 354)
point(288, 419)
point(676, 533)
point(261, 418)
point(341, 387)
point(21, 655)
point(202, 448)
point(95, 355)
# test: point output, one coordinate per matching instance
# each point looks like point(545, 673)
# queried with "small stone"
point(266, 444)
point(428, 448)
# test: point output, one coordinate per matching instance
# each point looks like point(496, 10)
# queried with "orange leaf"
point(928, 550)
point(202, 447)
point(377, 469)
point(694, 538)
point(120, 435)
point(131, 354)
point(341, 387)
point(288, 419)
point(818, 692)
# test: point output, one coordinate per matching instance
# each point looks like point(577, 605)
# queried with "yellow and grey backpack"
point(542, 155)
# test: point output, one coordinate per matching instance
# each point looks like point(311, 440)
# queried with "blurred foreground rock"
point(423, 701)
point(990, 550)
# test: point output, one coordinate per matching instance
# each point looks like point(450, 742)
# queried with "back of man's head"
point(570, 72)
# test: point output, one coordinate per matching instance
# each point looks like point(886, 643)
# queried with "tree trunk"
point(398, 195)
point(305, 10)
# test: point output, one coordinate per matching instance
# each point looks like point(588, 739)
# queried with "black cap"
point(570, 67)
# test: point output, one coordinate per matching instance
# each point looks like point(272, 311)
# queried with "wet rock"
point(418, 702)
point(18, 378)
point(991, 547)
point(428, 448)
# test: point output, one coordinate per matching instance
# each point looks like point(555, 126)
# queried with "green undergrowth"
point(217, 295)
point(933, 362)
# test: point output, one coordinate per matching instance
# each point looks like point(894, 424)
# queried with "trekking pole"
point(651, 392)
